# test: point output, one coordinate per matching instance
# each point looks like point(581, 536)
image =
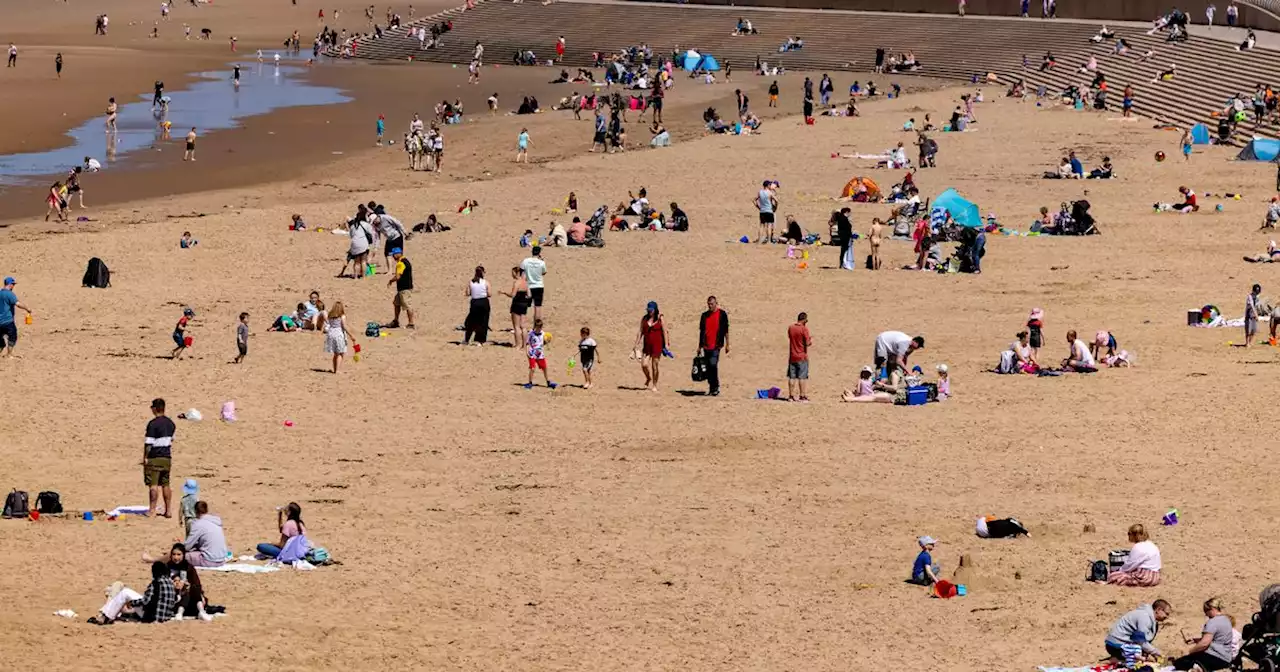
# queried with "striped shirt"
point(159, 439)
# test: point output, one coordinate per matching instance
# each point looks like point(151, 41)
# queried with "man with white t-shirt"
point(894, 347)
point(534, 268)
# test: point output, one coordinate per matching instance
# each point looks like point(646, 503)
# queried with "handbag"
point(699, 372)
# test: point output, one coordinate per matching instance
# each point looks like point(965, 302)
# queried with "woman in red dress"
point(650, 343)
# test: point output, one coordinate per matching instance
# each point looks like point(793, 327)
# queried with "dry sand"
point(483, 526)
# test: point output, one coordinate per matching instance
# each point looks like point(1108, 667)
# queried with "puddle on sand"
point(211, 103)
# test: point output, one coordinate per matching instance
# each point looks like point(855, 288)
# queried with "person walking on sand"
point(402, 278)
point(798, 358)
point(477, 322)
point(235, 76)
point(534, 268)
point(713, 337)
point(651, 342)
point(336, 335)
point(157, 459)
point(536, 342)
point(519, 304)
point(13, 55)
point(382, 128)
point(522, 146)
point(180, 333)
point(57, 64)
point(8, 318)
point(190, 154)
point(1185, 144)
point(242, 338)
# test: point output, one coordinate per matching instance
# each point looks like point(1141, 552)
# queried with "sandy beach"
point(484, 526)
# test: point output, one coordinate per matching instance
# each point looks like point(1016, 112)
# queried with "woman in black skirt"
point(477, 323)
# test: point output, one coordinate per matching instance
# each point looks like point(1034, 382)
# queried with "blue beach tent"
point(964, 212)
point(1260, 149)
point(695, 61)
point(1199, 134)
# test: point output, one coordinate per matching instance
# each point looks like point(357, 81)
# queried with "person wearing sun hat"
point(924, 572)
point(187, 507)
point(8, 323)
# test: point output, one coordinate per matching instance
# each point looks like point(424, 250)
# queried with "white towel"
point(243, 568)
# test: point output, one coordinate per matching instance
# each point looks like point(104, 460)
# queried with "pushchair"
point(595, 227)
point(1260, 637)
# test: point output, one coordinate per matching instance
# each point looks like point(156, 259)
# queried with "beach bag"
point(318, 555)
point(96, 274)
point(295, 549)
point(15, 505)
point(1008, 362)
point(372, 329)
point(48, 502)
point(699, 372)
point(1097, 571)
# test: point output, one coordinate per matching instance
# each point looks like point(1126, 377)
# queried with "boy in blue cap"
point(9, 325)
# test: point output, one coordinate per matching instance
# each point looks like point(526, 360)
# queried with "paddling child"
point(180, 333)
point(190, 154)
point(587, 356)
point(235, 76)
point(874, 238)
point(242, 338)
point(382, 128)
point(112, 108)
point(536, 344)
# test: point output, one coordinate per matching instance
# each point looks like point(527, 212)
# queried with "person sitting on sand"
point(289, 522)
point(1137, 629)
point(792, 234)
point(1062, 173)
point(158, 604)
point(679, 220)
point(1188, 203)
point(1142, 567)
point(661, 138)
point(1215, 648)
point(311, 314)
point(191, 598)
point(1272, 256)
point(865, 391)
point(924, 572)
point(1105, 172)
point(1079, 359)
point(206, 545)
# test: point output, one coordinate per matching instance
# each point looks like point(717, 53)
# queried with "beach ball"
point(1217, 208)
point(1159, 156)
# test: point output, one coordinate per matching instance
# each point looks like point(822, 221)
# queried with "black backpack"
point(96, 275)
point(1098, 571)
point(48, 502)
point(15, 505)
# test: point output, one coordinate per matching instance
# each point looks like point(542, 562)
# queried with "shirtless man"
point(111, 115)
point(190, 154)
point(873, 238)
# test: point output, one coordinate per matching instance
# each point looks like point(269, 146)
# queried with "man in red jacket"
point(713, 336)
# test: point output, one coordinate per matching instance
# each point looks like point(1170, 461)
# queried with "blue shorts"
point(177, 339)
point(8, 333)
point(1186, 149)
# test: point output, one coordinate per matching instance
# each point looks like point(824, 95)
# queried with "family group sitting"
point(893, 349)
point(1023, 355)
point(1130, 641)
point(308, 316)
point(646, 217)
point(1072, 219)
point(1071, 168)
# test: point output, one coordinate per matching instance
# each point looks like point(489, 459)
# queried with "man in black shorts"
point(534, 268)
point(767, 204)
